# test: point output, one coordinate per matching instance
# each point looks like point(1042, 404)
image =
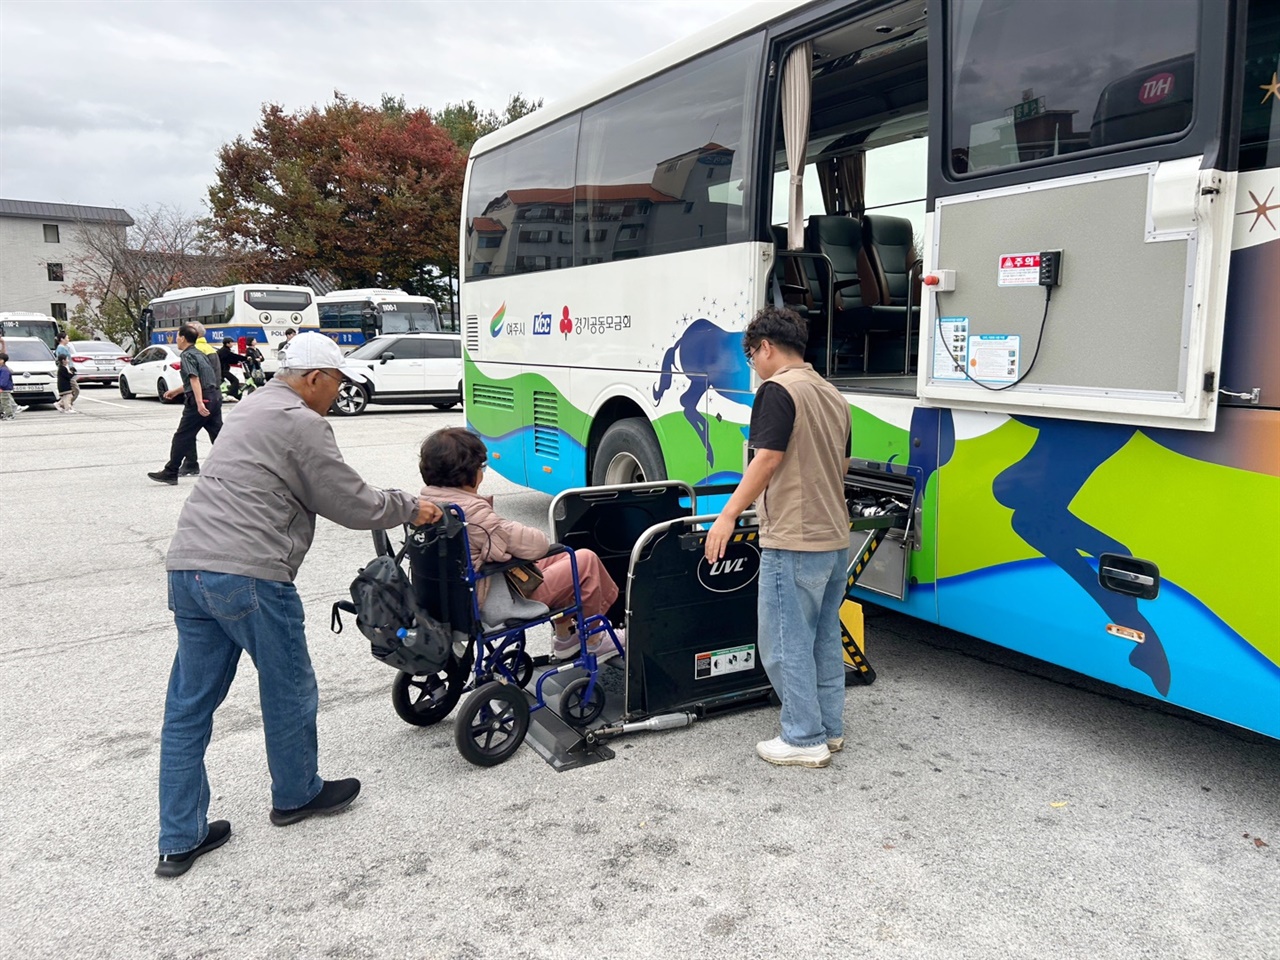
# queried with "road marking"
point(107, 402)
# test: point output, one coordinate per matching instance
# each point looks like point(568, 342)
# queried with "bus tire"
point(628, 453)
point(352, 399)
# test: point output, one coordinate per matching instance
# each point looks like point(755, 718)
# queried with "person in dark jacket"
point(226, 357)
point(201, 408)
point(241, 536)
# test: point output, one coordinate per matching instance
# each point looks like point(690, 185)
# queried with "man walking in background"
point(201, 407)
point(241, 537)
point(799, 447)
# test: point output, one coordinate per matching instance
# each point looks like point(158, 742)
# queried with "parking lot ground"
point(986, 805)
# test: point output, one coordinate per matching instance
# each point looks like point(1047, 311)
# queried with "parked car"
point(35, 372)
point(97, 361)
point(405, 368)
point(154, 371)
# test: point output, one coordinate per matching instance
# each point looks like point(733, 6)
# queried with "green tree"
point(368, 194)
point(467, 123)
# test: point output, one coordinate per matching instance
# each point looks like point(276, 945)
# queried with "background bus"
point(1050, 434)
point(351, 317)
point(261, 310)
point(19, 323)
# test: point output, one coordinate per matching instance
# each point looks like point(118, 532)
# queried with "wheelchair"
point(490, 659)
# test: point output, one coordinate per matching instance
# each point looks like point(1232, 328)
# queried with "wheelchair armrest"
point(491, 569)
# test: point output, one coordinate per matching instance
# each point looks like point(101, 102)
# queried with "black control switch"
point(1050, 268)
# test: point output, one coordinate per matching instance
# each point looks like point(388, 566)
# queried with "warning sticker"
point(716, 663)
point(994, 357)
point(950, 348)
point(1018, 270)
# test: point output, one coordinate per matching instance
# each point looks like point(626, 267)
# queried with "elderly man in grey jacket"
point(240, 539)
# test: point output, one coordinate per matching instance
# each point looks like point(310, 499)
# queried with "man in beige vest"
point(799, 449)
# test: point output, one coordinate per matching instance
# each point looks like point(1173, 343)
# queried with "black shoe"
point(334, 796)
point(189, 470)
point(176, 864)
point(160, 476)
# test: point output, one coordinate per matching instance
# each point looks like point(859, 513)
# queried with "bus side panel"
point(1029, 504)
point(493, 412)
point(554, 431)
point(895, 432)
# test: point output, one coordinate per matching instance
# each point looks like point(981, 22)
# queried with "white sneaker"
point(785, 755)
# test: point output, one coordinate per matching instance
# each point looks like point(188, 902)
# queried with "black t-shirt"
point(773, 417)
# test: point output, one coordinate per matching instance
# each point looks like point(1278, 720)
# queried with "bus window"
point(1260, 126)
point(648, 187)
point(1031, 81)
point(527, 181)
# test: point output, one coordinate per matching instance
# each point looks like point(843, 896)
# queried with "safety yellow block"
point(853, 628)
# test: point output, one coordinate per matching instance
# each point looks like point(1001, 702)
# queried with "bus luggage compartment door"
point(691, 625)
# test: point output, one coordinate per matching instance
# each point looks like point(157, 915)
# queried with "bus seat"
point(840, 240)
point(892, 253)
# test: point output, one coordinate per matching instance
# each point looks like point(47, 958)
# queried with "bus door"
point(1082, 189)
point(1081, 198)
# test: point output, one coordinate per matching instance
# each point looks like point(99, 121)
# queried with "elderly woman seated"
point(452, 463)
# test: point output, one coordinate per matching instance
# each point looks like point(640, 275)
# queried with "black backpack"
point(401, 634)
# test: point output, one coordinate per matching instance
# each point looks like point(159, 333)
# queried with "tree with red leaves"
point(370, 195)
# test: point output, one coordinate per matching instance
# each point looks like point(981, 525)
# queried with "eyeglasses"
point(750, 353)
point(329, 374)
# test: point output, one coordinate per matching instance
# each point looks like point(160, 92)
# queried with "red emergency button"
point(930, 281)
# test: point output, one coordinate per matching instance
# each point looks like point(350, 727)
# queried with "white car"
point(154, 371)
point(405, 368)
point(97, 361)
point(35, 372)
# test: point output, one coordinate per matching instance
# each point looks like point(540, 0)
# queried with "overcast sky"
point(125, 104)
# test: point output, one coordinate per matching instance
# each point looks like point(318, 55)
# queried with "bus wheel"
point(352, 399)
point(628, 453)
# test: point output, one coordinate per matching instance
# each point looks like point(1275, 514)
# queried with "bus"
point(261, 310)
point(351, 317)
point(1035, 242)
point(20, 323)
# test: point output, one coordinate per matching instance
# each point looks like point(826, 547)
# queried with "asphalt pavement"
point(985, 806)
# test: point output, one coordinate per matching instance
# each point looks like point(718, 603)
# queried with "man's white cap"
point(315, 351)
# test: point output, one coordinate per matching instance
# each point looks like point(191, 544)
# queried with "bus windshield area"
point(408, 317)
point(45, 330)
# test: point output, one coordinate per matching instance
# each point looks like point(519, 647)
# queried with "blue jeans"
point(218, 615)
point(799, 622)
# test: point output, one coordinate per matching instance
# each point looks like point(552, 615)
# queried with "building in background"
point(39, 243)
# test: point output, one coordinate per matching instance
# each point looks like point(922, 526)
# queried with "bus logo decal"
point(542, 324)
point(495, 325)
point(1154, 89)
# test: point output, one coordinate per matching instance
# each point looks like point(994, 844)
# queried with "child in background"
point(8, 406)
point(66, 385)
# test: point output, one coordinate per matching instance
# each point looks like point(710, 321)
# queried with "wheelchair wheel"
point(517, 663)
point(575, 709)
point(427, 699)
point(492, 724)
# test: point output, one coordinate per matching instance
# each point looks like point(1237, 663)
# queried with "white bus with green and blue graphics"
point(1035, 242)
